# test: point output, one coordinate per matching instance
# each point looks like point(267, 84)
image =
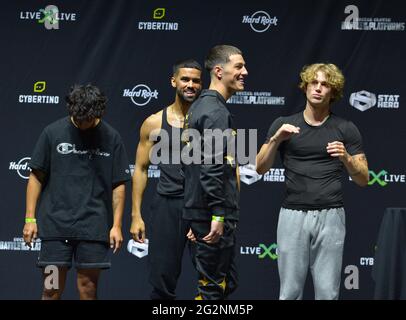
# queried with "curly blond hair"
point(334, 76)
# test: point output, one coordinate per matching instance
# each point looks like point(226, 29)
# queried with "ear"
point(173, 82)
point(218, 72)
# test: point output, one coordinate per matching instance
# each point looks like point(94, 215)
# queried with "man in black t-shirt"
point(76, 190)
point(315, 146)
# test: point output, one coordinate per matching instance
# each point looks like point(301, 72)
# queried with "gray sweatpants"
point(312, 238)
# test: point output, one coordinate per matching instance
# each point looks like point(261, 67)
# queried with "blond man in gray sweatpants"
point(315, 146)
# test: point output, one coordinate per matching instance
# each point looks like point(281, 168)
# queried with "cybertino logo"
point(376, 178)
point(40, 86)
point(270, 251)
point(159, 13)
point(50, 19)
point(362, 100)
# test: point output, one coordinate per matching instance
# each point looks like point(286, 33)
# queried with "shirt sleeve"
point(121, 168)
point(353, 139)
point(273, 128)
point(40, 158)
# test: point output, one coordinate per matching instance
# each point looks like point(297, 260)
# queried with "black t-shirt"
point(81, 167)
point(313, 177)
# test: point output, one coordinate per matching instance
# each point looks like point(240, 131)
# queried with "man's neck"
point(180, 107)
point(220, 88)
point(316, 115)
point(85, 126)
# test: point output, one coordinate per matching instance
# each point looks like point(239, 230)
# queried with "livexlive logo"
point(383, 178)
point(262, 251)
point(49, 17)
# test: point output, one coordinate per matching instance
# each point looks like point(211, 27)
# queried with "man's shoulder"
point(292, 118)
point(108, 128)
point(209, 106)
point(57, 125)
point(340, 121)
point(153, 121)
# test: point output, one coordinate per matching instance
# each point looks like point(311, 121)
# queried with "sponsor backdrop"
point(127, 48)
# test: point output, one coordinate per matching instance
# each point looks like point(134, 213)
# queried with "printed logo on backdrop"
point(256, 98)
point(18, 244)
point(153, 171)
point(140, 250)
point(140, 95)
point(21, 167)
point(39, 87)
point(158, 14)
point(263, 251)
point(366, 261)
point(249, 175)
point(354, 22)
point(382, 178)
point(50, 17)
point(260, 21)
point(364, 100)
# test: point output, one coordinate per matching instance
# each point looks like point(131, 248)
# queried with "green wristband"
point(217, 218)
point(30, 220)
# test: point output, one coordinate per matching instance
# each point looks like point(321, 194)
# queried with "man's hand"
point(137, 230)
point(30, 233)
point(337, 149)
point(116, 238)
point(216, 231)
point(190, 235)
point(285, 132)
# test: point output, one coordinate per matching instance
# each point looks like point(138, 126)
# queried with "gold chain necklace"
point(180, 121)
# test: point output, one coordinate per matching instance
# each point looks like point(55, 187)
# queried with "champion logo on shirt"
point(67, 148)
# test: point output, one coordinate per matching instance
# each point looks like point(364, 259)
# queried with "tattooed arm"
point(356, 165)
point(357, 168)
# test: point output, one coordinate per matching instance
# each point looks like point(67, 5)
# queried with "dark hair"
point(85, 102)
point(188, 63)
point(220, 55)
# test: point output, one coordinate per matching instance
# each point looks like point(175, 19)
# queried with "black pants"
point(167, 239)
point(214, 262)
